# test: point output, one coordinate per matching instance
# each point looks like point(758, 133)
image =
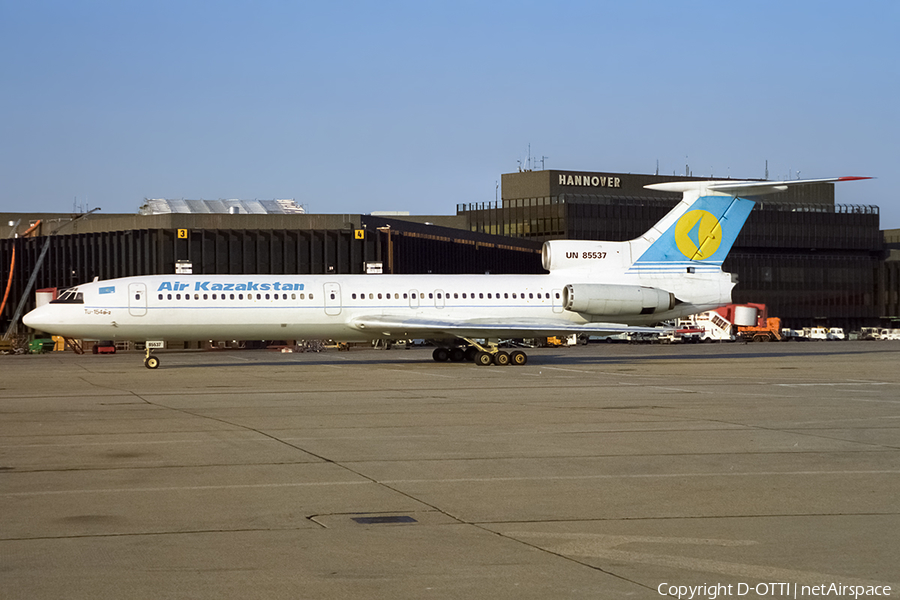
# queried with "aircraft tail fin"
point(698, 234)
point(694, 237)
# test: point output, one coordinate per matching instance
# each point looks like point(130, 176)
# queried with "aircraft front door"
point(137, 299)
point(332, 299)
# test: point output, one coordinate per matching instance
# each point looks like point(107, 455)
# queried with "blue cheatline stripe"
point(676, 267)
point(198, 306)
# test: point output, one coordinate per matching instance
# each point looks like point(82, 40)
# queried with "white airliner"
point(671, 271)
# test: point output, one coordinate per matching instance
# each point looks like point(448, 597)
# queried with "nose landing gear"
point(151, 362)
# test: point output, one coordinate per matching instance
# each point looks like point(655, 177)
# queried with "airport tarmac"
point(601, 471)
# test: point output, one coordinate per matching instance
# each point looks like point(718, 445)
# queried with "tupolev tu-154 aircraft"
point(672, 270)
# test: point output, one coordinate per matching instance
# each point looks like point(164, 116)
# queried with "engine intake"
point(616, 300)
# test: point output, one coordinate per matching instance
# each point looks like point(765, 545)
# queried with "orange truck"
point(767, 329)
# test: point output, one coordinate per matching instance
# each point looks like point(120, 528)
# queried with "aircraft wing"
point(402, 327)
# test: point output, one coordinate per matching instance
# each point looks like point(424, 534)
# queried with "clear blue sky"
point(352, 107)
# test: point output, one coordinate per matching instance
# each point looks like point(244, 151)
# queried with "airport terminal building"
point(811, 261)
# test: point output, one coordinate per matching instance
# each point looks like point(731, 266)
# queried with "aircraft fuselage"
point(226, 307)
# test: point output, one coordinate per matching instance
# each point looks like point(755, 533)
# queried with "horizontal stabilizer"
point(741, 188)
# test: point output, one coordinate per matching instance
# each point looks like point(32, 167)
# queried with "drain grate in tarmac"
point(354, 519)
point(384, 520)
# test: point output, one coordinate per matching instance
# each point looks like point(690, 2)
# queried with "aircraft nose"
point(36, 319)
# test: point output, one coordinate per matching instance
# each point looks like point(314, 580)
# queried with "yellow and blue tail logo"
point(699, 240)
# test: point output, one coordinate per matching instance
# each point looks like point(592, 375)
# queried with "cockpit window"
point(70, 296)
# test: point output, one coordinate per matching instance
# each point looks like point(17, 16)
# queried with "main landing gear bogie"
point(480, 356)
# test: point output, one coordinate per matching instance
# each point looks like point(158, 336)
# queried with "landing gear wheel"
point(457, 355)
point(518, 358)
point(151, 362)
point(483, 359)
point(440, 354)
point(501, 358)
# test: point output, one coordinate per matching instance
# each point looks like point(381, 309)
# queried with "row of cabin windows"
point(456, 296)
point(230, 296)
point(380, 296)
